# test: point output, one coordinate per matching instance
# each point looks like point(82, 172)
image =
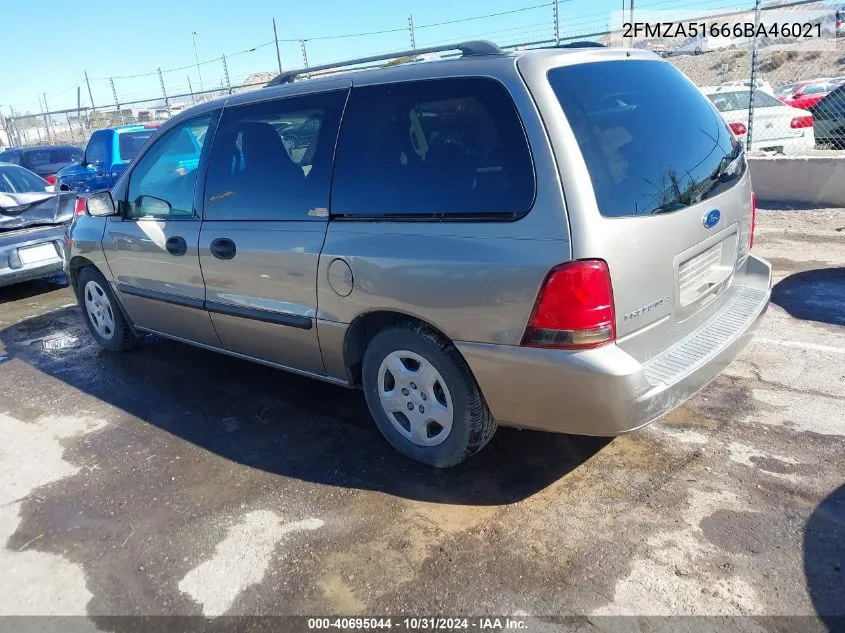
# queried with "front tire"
point(102, 313)
point(423, 396)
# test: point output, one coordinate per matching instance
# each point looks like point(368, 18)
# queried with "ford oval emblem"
point(711, 219)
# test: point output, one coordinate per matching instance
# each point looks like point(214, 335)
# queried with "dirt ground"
point(172, 480)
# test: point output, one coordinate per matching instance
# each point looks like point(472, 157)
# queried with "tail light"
point(574, 309)
point(753, 219)
point(801, 122)
point(738, 128)
point(51, 179)
point(80, 206)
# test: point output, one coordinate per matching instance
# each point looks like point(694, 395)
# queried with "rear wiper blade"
point(669, 208)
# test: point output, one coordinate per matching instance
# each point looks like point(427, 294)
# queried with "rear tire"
point(423, 396)
point(102, 312)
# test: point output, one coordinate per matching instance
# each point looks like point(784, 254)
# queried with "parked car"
point(777, 127)
point(445, 275)
point(695, 45)
point(761, 84)
point(807, 94)
point(655, 45)
point(106, 156)
point(32, 225)
point(829, 115)
point(43, 160)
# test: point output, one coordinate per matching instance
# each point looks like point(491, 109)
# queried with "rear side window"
point(130, 143)
point(730, 101)
point(36, 159)
point(273, 160)
point(9, 157)
point(433, 149)
point(651, 141)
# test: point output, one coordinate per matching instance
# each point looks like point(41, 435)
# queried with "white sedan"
point(777, 126)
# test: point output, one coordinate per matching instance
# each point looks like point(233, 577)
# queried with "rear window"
point(729, 101)
point(129, 143)
point(18, 180)
point(443, 148)
point(651, 141)
point(36, 158)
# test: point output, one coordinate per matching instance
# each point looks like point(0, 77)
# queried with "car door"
point(266, 205)
point(151, 248)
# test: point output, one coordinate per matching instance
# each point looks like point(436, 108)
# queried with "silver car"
point(550, 239)
point(33, 223)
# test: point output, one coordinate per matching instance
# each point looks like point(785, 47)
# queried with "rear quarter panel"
point(86, 233)
point(472, 281)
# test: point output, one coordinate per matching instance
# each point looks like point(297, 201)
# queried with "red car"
point(808, 94)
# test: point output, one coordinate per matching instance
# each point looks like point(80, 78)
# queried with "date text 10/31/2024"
point(418, 624)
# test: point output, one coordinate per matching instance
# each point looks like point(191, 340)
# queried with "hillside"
point(778, 67)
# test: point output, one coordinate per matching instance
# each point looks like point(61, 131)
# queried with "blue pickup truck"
point(106, 156)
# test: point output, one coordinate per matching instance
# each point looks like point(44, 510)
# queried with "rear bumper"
point(606, 391)
point(13, 271)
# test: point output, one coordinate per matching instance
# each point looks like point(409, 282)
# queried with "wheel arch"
point(76, 264)
point(366, 326)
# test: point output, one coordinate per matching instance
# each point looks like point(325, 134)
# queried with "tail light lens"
point(51, 179)
point(574, 309)
point(753, 219)
point(801, 122)
point(738, 128)
point(80, 206)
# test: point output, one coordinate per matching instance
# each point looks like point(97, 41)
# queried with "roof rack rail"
point(582, 44)
point(475, 48)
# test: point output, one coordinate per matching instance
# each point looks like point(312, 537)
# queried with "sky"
point(54, 42)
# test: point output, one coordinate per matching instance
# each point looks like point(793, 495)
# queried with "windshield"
point(15, 179)
point(651, 141)
point(729, 101)
point(130, 143)
point(814, 89)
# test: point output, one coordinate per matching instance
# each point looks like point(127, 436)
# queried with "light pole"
point(197, 58)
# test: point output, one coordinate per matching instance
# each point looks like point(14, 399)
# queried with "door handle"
point(223, 248)
point(176, 245)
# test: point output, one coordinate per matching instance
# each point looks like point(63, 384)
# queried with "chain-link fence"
point(781, 91)
point(75, 126)
point(796, 106)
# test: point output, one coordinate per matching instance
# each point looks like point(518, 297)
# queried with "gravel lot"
point(175, 481)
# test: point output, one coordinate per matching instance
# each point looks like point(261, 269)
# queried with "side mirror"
point(100, 205)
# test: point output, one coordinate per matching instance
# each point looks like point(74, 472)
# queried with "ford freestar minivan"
point(553, 239)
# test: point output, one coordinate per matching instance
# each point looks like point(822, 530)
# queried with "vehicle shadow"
point(824, 559)
point(29, 289)
point(813, 295)
point(281, 423)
